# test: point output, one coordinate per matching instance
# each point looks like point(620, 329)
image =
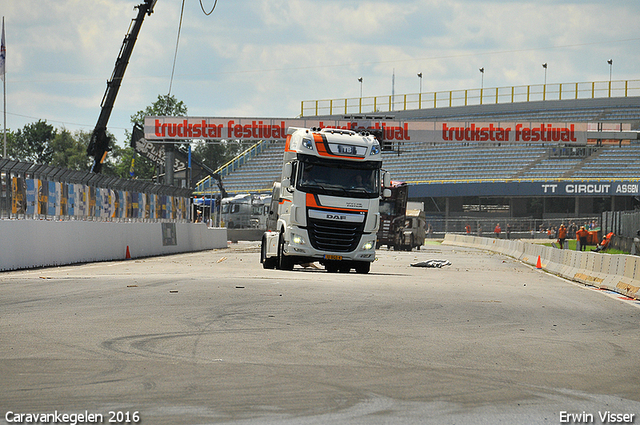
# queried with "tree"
point(32, 143)
point(213, 155)
point(144, 169)
point(166, 105)
point(70, 151)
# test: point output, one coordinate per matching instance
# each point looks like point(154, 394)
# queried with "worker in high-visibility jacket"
point(562, 235)
point(605, 242)
point(581, 235)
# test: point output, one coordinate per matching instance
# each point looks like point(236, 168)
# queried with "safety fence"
point(622, 223)
point(43, 192)
point(614, 272)
point(525, 227)
point(481, 96)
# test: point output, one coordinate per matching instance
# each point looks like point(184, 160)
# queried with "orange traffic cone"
point(538, 264)
point(128, 254)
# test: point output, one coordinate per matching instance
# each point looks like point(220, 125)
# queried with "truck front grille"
point(333, 236)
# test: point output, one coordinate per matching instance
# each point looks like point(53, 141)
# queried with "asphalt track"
point(211, 337)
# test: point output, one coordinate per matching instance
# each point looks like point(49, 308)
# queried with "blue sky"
point(263, 57)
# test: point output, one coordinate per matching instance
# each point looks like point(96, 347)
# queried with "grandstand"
point(439, 172)
point(416, 161)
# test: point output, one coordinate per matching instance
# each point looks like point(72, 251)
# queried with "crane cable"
point(175, 55)
point(212, 9)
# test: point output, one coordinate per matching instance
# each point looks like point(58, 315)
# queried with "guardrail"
point(469, 97)
point(43, 192)
point(614, 272)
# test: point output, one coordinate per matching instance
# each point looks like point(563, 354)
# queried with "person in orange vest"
point(467, 228)
point(497, 231)
point(582, 235)
point(562, 235)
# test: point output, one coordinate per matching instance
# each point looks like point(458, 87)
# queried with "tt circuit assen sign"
point(522, 188)
point(190, 128)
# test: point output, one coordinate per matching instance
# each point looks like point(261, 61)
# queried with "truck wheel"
point(344, 268)
point(331, 268)
point(363, 267)
point(284, 262)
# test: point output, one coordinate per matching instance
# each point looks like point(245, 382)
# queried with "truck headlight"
point(375, 149)
point(307, 143)
point(367, 246)
point(297, 239)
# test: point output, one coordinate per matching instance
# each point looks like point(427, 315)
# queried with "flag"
point(131, 169)
point(3, 53)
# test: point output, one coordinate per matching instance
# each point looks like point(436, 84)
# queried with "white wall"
point(36, 243)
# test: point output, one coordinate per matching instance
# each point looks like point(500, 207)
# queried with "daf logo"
point(336, 217)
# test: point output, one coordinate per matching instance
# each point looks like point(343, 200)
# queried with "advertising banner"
point(18, 196)
point(158, 129)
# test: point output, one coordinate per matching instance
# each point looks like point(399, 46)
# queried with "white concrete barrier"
point(615, 272)
point(38, 243)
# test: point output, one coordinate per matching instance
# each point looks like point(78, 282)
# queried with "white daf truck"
point(325, 207)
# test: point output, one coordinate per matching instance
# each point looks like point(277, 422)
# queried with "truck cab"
point(327, 201)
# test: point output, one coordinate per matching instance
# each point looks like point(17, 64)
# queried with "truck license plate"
point(333, 257)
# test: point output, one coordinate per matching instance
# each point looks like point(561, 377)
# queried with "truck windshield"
point(339, 180)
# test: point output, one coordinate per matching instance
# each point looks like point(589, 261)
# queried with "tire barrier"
point(615, 272)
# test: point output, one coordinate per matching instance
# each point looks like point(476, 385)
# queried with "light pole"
point(610, 62)
point(544, 87)
point(360, 80)
point(481, 83)
point(420, 92)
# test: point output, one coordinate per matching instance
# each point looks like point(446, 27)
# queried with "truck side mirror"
point(386, 180)
point(286, 175)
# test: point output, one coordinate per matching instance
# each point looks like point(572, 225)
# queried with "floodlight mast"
point(99, 142)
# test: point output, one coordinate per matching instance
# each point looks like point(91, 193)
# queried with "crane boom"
point(99, 143)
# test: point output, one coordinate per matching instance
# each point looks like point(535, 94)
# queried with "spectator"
point(497, 231)
point(508, 230)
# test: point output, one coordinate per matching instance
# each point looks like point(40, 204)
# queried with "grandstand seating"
point(457, 161)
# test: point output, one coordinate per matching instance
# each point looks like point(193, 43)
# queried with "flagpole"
point(4, 91)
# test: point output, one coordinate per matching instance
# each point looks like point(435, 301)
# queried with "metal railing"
point(229, 167)
point(43, 192)
point(469, 97)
